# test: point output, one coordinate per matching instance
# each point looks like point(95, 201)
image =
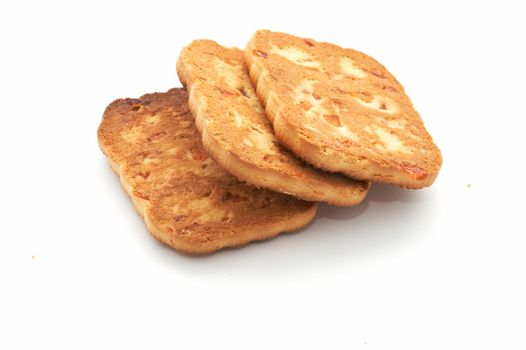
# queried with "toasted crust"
point(187, 200)
point(236, 133)
point(341, 110)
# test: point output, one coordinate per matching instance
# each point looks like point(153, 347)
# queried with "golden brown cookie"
point(341, 110)
point(187, 200)
point(237, 134)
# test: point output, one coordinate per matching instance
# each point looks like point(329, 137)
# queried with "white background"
point(441, 268)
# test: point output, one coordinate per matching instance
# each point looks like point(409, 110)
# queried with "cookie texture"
point(186, 199)
point(341, 110)
point(237, 134)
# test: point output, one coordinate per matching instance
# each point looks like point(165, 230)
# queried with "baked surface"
point(341, 110)
point(237, 134)
point(187, 200)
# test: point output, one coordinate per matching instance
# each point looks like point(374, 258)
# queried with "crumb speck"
point(469, 185)
point(32, 257)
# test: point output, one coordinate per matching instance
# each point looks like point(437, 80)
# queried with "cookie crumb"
point(32, 257)
point(469, 185)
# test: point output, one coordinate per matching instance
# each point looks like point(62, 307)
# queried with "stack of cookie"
point(258, 137)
